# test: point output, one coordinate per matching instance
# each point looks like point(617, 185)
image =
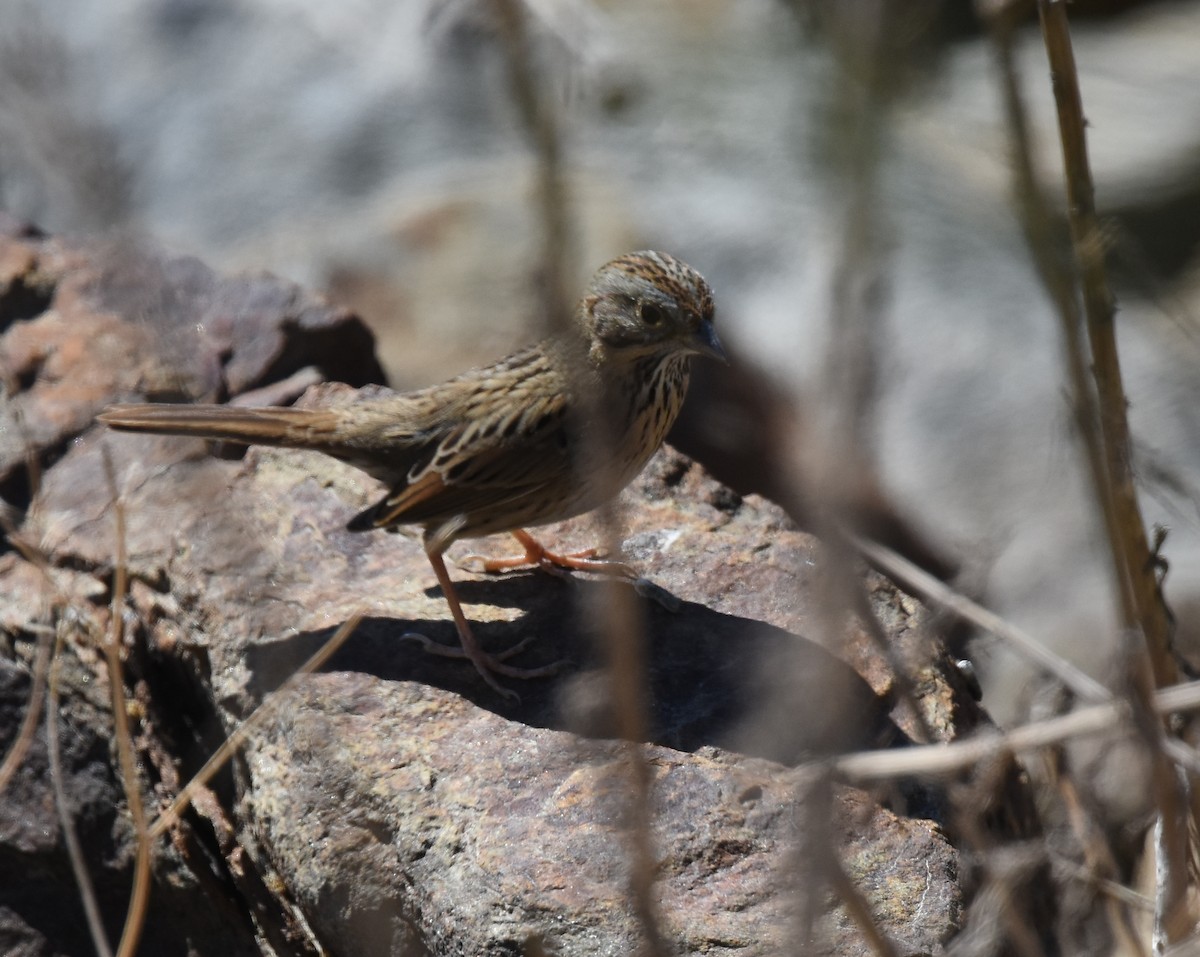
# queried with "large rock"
point(85, 325)
point(394, 803)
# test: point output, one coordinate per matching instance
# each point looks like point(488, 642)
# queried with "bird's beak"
point(705, 342)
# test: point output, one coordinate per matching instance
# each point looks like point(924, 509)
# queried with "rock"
point(40, 909)
point(450, 829)
point(86, 326)
point(394, 802)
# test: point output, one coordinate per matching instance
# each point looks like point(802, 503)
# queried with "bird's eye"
point(653, 315)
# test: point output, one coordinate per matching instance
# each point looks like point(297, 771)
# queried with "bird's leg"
point(537, 555)
point(487, 665)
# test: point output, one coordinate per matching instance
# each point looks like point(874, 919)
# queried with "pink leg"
point(537, 555)
point(487, 665)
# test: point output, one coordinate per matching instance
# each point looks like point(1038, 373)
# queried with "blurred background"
point(838, 171)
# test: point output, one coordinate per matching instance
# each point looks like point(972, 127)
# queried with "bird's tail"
point(291, 428)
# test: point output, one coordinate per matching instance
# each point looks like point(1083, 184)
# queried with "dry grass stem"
point(623, 636)
point(867, 65)
point(1101, 865)
point(1143, 610)
point(1099, 405)
point(239, 735)
point(62, 804)
point(1182, 754)
point(1126, 895)
point(859, 910)
point(941, 759)
point(20, 746)
point(46, 668)
point(932, 589)
point(622, 631)
point(139, 897)
point(539, 117)
point(1131, 548)
point(41, 662)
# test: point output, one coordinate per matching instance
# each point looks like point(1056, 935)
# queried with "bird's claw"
point(490, 665)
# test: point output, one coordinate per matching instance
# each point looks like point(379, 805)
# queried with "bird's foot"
point(489, 665)
point(538, 556)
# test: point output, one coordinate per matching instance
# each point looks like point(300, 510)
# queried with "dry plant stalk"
point(1142, 604)
point(20, 746)
point(135, 918)
point(934, 760)
point(1080, 292)
point(866, 64)
point(41, 667)
point(51, 642)
point(83, 880)
point(1101, 865)
point(620, 625)
point(933, 590)
point(236, 738)
point(527, 89)
point(1144, 615)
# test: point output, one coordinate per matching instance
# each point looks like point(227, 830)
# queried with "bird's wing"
point(494, 458)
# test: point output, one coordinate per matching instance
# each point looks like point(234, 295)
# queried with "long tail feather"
point(293, 428)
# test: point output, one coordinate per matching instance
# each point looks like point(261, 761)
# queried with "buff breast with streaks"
point(549, 432)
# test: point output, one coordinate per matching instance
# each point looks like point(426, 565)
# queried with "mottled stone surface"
point(88, 324)
point(441, 822)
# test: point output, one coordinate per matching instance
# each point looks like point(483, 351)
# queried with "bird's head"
point(648, 302)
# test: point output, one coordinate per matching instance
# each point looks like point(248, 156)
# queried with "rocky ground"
point(392, 802)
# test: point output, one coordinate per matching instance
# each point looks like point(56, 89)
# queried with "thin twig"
point(620, 626)
point(41, 665)
point(621, 631)
point(948, 758)
point(135, 916)
point(51, 669)
point(868, 66)
point(932, 589)
point(1130, 545)
point(527, 87)
point(1143, 609)
point(238, 736)
point(1097, 851)
point(83, 880)
point(33, 712)
point(623, 635)
point(1099, 405)
point(859, 910)
point(1117, 891)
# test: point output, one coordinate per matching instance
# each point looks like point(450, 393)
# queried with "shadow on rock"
point(714, 679)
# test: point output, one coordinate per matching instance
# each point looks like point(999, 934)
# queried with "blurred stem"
point(871, 61)
point(1142, 603)
point(1100, 860)
point(539, 118)
point(135, 918)
point(62, 804)
point(623, 633)
point(37, 687)
point(238, 737)
point(1143, 609)
point(1099, 402)
point(619, 624)
point(866, 62)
